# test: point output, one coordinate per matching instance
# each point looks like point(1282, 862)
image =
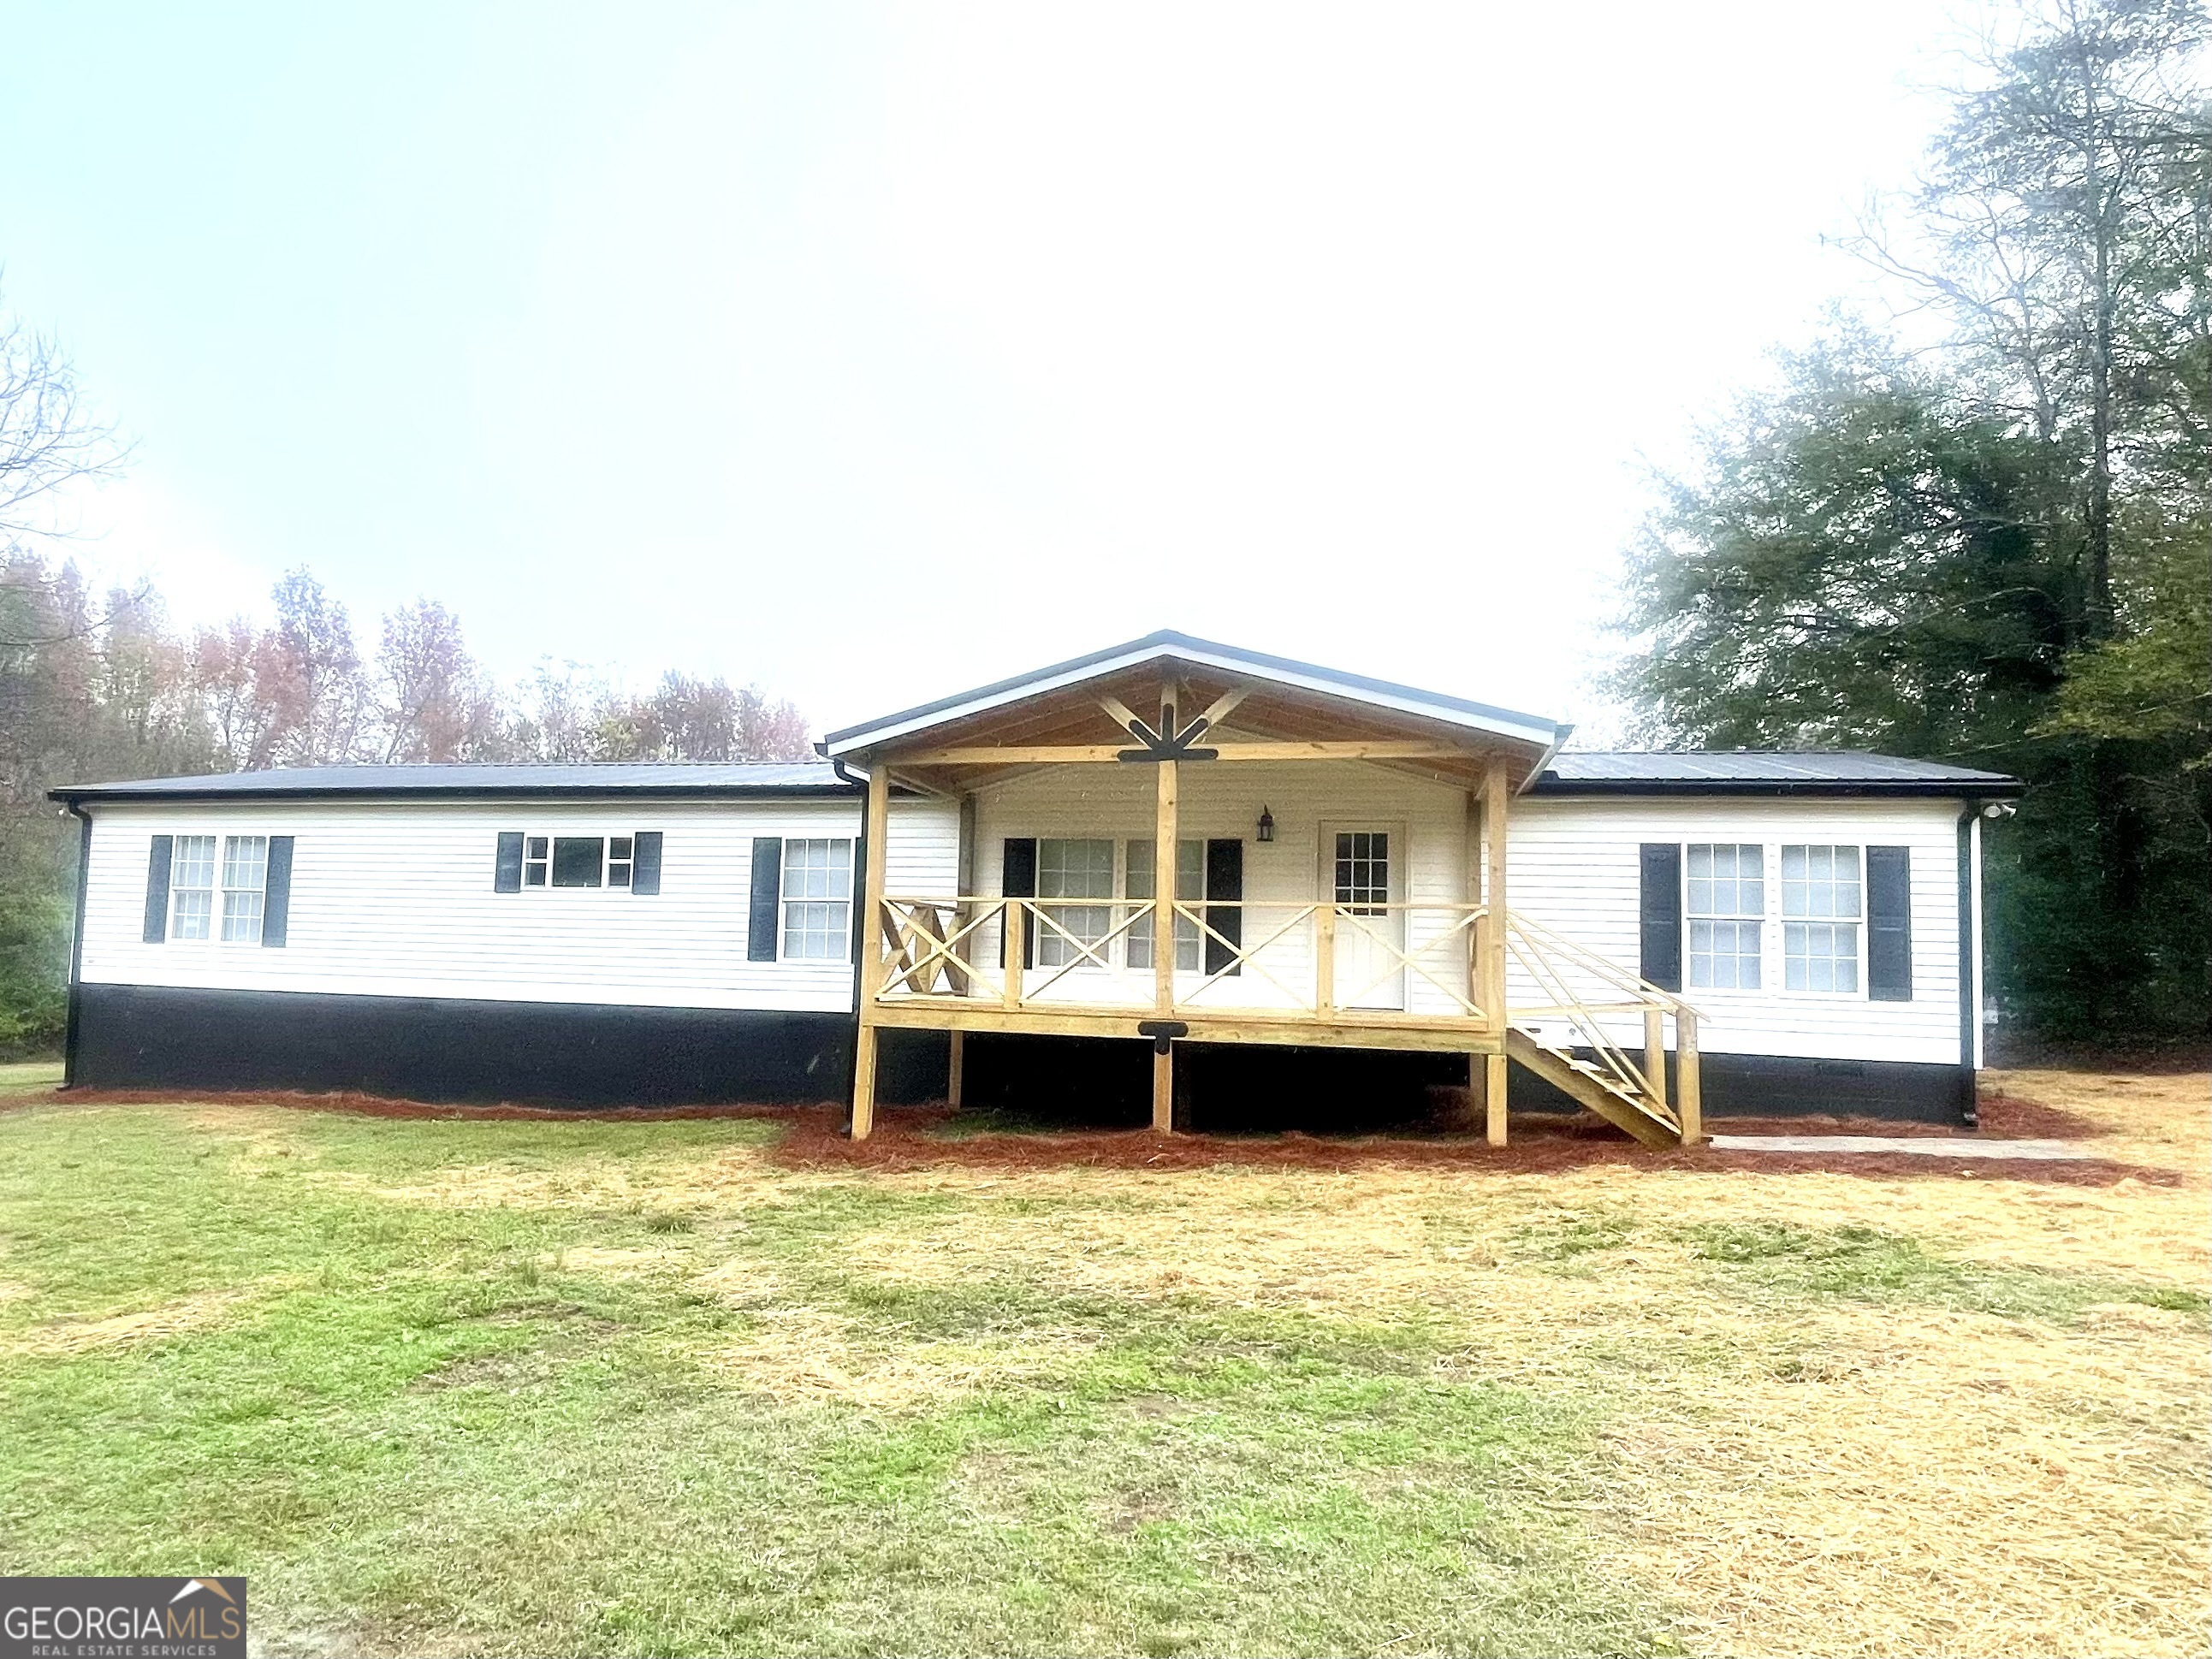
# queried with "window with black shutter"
point(1019, 879)
point(1660, 914)
point(765, 907)
point(1889, 924)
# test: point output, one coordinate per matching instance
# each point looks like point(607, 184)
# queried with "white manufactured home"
point(1173, 872)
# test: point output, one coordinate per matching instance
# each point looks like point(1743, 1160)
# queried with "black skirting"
point(465, 1051)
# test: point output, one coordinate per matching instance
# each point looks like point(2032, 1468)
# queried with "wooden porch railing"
point(930, 946)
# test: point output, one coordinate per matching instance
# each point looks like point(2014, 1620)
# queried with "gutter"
point(102, 792)
point(77, 941)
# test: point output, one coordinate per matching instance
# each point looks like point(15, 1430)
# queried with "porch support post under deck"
point(1164, 829)
point(956, 1069)
point(1495, 791)
point(872, 952)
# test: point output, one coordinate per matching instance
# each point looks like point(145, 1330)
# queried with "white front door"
point(1361, 871)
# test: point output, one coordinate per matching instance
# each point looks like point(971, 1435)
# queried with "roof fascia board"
point(1545, 733)
point(1926, 788)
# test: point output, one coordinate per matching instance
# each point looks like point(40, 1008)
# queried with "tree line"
point(98, 685)
point(1973, 522)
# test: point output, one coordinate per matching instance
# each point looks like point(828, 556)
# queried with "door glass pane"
point(1363, 871)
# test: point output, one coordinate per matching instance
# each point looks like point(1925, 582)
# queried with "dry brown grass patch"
point(1947, 1483)
point(801, 1355)
point(63, 1337)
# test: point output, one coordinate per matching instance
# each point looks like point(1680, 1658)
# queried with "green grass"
point(592, 1387)
point(27, 1076)
point(422, 1425)
point(1857, 1263)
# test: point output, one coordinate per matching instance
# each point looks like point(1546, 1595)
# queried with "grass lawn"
point(529, 1387)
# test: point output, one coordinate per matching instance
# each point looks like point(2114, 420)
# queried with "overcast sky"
point(873, 353)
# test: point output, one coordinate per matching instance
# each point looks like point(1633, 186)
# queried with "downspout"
point(860, 934)
point(77, 941)
point(1969, 956)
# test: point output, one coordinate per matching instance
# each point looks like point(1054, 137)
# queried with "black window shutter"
point(157, 888)
point(766, 898)
point(276, 894)
point(1225, 881)
point(1889, 924)
point(645, 863)
point(1018, 880)
point(507, 868)
point(1660, 914)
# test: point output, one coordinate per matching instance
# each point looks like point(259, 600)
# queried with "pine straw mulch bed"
point(910, 1138)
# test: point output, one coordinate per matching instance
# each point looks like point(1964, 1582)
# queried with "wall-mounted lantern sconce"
point(1267, 825)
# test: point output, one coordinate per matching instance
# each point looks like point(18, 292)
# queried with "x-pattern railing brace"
point(1407, 955)
point(941, 949)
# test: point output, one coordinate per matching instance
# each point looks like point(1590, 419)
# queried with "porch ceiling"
point(1072, 716)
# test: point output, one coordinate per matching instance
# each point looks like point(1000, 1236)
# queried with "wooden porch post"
point(956, 1069)
point(1689, 1091)
point(1654, 1053)
point(1164, 829)
point(1495, 791)
point(872, 951)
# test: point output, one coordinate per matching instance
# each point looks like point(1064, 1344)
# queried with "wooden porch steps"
point(1627, 1110)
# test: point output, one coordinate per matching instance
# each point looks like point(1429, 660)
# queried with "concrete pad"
point(1924, 1145)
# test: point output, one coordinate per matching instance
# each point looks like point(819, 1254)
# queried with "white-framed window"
point(1821, 901)
point(621, 852)
point(192, 887)
point(1727, 912)
point(1073, 869)
point(817, 898)
point(537, 861)
point(1190, 887)
point(245, 879)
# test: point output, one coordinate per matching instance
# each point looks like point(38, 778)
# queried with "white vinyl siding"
point(1573, 865)
point(396, 899)
point(1427, 822)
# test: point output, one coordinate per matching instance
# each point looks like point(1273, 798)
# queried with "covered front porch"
point(1338, 879)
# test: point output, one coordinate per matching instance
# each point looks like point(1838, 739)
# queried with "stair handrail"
point(1627, 1075)
point(1534, 948)
point(1642, 989)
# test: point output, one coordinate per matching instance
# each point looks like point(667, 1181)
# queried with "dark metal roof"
point(1762, 772)
point(1167, 643)
point(1737, 772)
point(626, 779)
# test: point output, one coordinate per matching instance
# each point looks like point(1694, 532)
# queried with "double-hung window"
point(1727, 911)
point(1821, 896)
point(817, 898)
point(192, 888)
point(245, 879)
point(1074, 870)
point(1190, 887)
